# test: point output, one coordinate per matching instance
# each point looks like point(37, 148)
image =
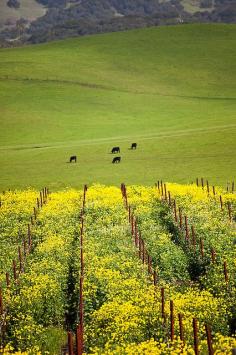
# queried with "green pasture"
point(170, 89)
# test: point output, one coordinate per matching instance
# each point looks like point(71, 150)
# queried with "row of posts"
point(145, 257)
point(182, 223)
point(80, 327)
point(27, 248)
point(163, 191)
point(200, 182)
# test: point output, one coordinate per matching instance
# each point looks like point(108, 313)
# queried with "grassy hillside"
point(170, 89)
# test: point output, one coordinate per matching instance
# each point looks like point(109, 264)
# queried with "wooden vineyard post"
point(1, 302)
point(82, 226)
point(132, 228)
point(226, 272)
point(221, 203)
point(121, 187)
point(162, 192)
point(209, 339)
point(213, 255)
point(143, 251)
point(232, 189)
point(186, 229)
point(82, 260)
point(84, 197)
point(229, 211)
point(213, 190)
point(180, 218)
point(175, 212)
point(7, 279)
point(20, 259)
point(38, 203)
point(202, 182)
point(227, 186)
point(169, 198)
point(80, 326)
point(132, 224)
point(41, 199)
point(79, 340)
point(140, 248)
point(181, 329)
point(125, 196)
point(195, 335)
point(163, 303)
point(165, 192)
point(81, 306)
point(45, 193)
point(172, 330)
point(197, 182)
point(29, 238)
point(158, 186)
point(70, 343)
point(208, 190)
point(136, 235)
point(149, 260)
point(81, 268)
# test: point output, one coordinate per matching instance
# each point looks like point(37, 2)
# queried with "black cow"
point(116, 160)
point(115, 150)
point(73, 158)
point(133, 146)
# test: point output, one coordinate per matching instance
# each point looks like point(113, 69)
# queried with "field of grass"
point(170, 89)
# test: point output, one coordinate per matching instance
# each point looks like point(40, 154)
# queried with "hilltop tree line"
point(72, 18)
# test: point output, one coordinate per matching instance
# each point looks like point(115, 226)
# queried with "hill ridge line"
point(104, 87)
point(95, 141)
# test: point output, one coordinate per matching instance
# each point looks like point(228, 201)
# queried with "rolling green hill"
point(170, 89)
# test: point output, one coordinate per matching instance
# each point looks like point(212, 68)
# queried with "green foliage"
point(15, 211)
point(123, 310)
point(37, 303)
point(169, 259)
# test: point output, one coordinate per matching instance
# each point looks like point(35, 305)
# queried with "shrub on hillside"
point(13, 3)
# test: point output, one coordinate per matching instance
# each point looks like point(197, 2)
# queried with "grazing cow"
point(115, 150)
point(116, 160)
point(133, 146)
point(73, 158)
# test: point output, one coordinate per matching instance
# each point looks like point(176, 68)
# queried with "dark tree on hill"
point(53, 3)
point(206, 3)
point(13, 3)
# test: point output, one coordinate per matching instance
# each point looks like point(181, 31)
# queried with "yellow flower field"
point(147, 270)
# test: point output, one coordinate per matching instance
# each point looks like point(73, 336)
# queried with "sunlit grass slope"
point(170, 89)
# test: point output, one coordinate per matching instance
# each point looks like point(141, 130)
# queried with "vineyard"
point(108, 270)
